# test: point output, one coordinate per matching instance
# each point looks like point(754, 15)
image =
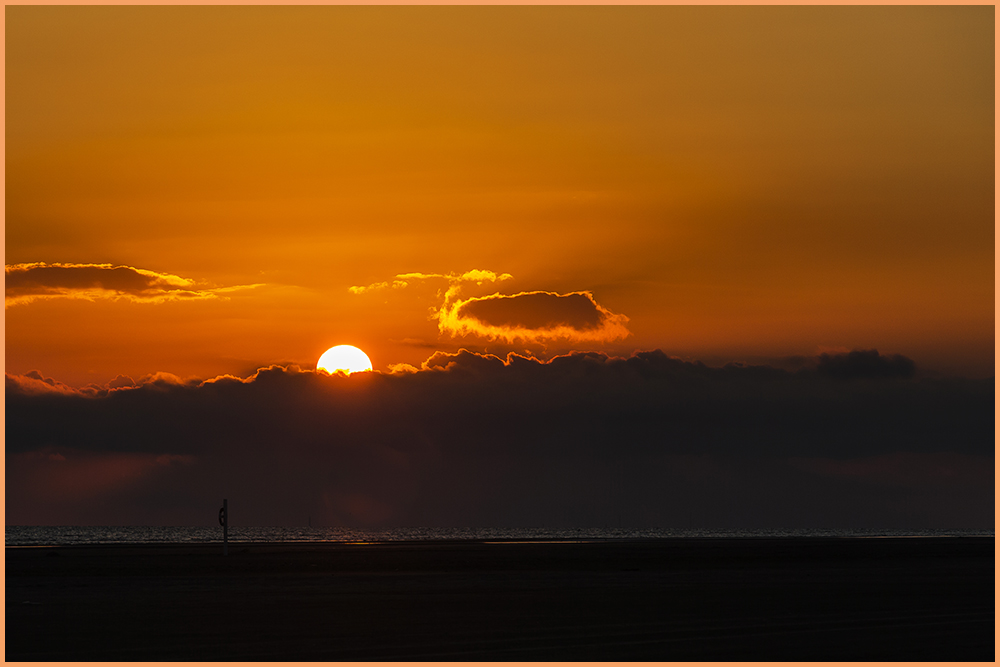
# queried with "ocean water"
point(17, 536)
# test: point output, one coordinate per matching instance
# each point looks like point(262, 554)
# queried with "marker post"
point(224, 522)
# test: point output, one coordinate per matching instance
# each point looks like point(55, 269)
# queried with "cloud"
point(525, 317)
point(533, 317)
point(402, 280)
point(374, 287)
point(865, 364)
point(25, 283)
point(476, 439)
point(34, 383)
point(121, 381)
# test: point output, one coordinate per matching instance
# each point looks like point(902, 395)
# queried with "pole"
point(224, 522)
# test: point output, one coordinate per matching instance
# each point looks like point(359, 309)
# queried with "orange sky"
point(724, 183)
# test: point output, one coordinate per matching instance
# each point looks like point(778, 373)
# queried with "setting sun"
point(344, 358)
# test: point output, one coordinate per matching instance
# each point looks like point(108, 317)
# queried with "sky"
point(729, 266)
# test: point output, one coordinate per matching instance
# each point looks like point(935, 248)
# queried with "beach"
point(925, 599)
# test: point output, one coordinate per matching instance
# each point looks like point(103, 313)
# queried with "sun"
point(344, 359)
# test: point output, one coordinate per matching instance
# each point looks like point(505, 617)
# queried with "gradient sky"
point(739, 182)
point(205, 191)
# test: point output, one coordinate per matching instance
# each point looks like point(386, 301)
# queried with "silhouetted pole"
point(224, 522)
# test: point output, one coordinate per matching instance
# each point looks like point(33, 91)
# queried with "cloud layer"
point(472, 440)
point(25, 283)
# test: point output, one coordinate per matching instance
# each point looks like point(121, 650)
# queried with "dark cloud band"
point(473, 437)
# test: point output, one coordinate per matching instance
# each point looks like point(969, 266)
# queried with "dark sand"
point(677, 599)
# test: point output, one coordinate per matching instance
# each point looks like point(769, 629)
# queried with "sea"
point(34, 536)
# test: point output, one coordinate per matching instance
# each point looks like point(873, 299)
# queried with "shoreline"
point(510, 540)
point(664, 599)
